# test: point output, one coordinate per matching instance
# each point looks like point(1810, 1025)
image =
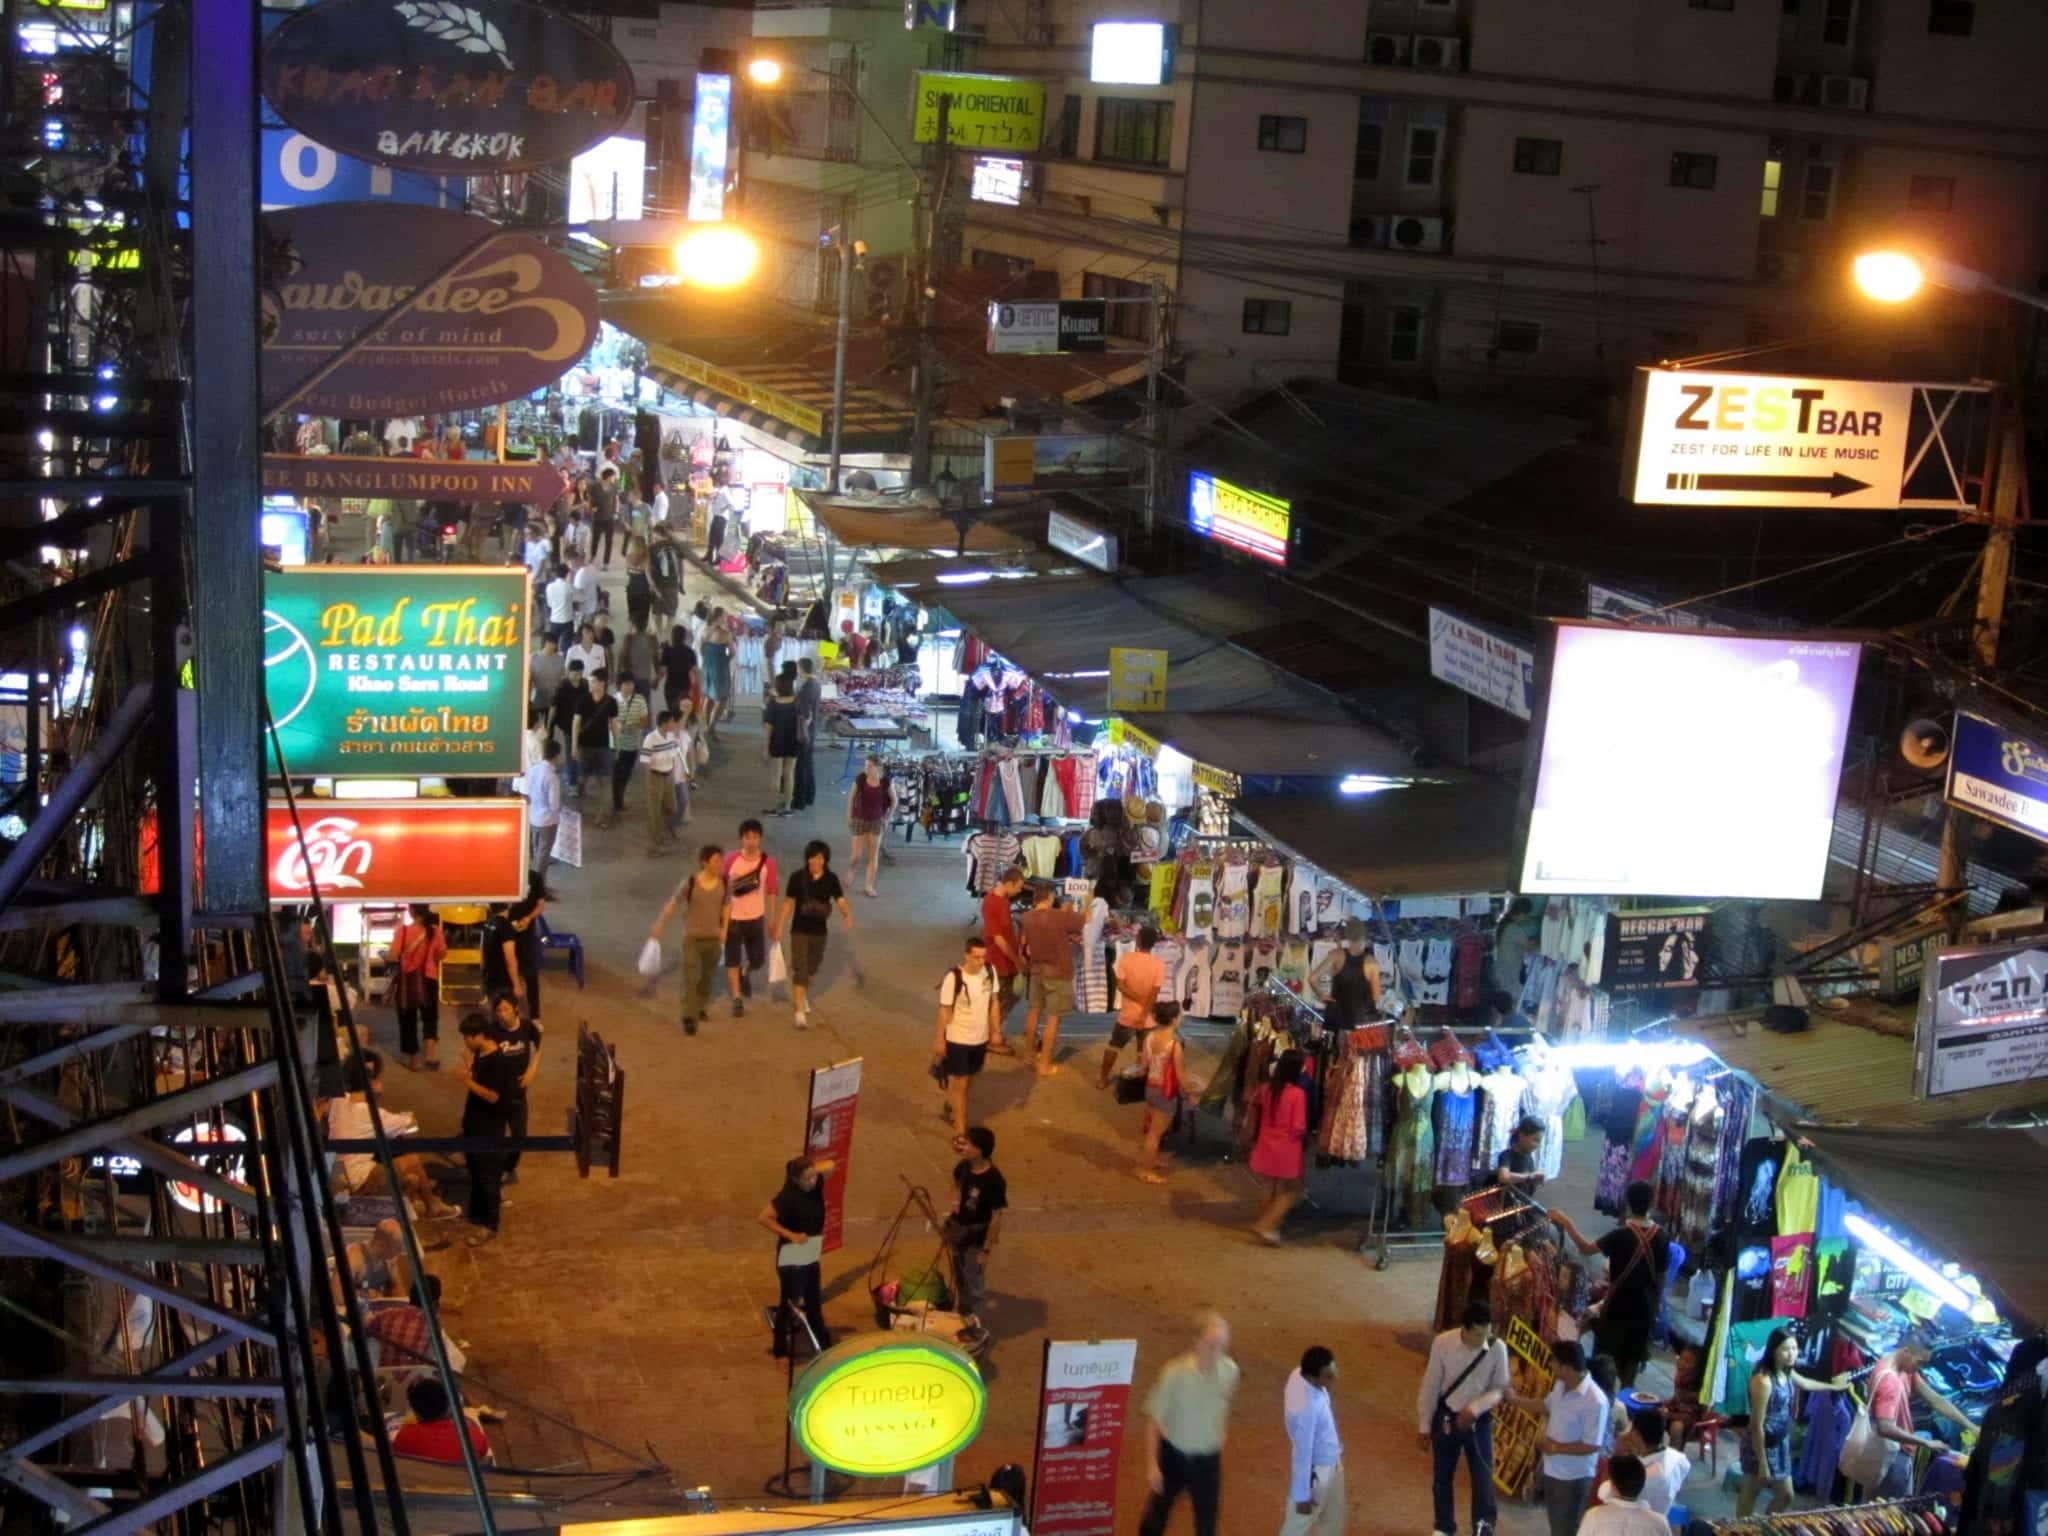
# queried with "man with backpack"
point(750, 880)
point(967, 1016)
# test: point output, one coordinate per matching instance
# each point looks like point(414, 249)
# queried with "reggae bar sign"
point(400, 671)
point(397, 850)
point(533, 485)
point(511, 317)
point(449, 87)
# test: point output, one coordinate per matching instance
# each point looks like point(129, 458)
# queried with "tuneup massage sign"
point(403, 671)
point(887, 1404)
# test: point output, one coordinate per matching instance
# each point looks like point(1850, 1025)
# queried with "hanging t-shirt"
point(1301, 900)
point(1269, 902)
point(1226, 983)
point(1798, 1198)
point(1754, 1219)
point(1262, 962)
point(1293, 970)
point(1752, 1299)
point(1200, 907)
point(1233, 903)
point(1191, 983)
point(1160, 898)
point(1791, 1274)
point(1319, 951)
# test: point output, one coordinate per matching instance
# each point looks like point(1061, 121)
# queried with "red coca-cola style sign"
point(399, 850)
point(333, 474)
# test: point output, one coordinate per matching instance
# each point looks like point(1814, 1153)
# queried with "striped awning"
point(792, 401)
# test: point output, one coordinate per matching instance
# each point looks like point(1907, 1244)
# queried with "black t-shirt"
point(526, 945)
point(813, 900)
point(981, 1194)
point(802, 1210)
point(594, 730)
point(498, 933)
point(1514, 1162)
point(497, 1072)
point(518, 1047)
point(1755, 1218)
point(1635, 1293)
point(678, 661)
point(571, 703)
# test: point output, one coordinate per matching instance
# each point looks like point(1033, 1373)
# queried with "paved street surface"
point(631, 1310)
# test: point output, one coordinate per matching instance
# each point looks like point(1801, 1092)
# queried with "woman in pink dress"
point(1277, 1159)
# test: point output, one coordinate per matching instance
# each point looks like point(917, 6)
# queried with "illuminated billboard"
point(1128, 53)
point(710, 148)
point(1259, 525)
point(997, 181)
point(1689, 763)
point(608, 181)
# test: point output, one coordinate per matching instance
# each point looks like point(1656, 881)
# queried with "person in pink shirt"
point(750, 880)
point(1278, 1155)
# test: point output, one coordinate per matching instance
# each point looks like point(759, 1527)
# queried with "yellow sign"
point(1012, 461)
point(697, 371)
point(887, 1404)
point(1137, 679)
point(984, 111)
point(1216, 781)
point(1516, 1431)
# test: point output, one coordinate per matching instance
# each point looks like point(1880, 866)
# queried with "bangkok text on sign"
point(887, 1404)
point(398, 850)
point(531, 484)
point(434, 85)
point(511, 319)
point(410, 670)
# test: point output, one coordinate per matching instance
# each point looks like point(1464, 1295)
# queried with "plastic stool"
point(1707, 1429)
point(553, 943)
point(1680, 1517)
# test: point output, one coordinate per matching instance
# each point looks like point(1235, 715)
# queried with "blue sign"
point(1999, 775)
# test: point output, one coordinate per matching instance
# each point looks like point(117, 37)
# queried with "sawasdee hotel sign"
point(409, 671)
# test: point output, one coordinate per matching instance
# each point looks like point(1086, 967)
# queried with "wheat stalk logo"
point(459, 25)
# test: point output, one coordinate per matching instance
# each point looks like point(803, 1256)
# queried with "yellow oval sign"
point(887, 1404)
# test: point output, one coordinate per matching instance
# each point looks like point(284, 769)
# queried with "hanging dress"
point(1091, 974)
point(1345, 1138)
point(1456, 1114)
point(1412, 1139)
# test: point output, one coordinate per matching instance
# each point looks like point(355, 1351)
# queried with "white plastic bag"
point(650, 959)
point(778, 968)
point(1864, 1452)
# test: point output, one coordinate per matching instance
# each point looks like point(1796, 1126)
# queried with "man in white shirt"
point(1575, 1423)
point(348, 1119)
point(1465, 1380)
point(662, 753)
point(1664, 1469)
point(535, 554)
point(583, 588)
point(400, 432)
point(967, 1012)
point(659, 505)
point(543, 807)
point(561, 601)
point(586, 650)
point(1315, 1489)
point(1623, 1512)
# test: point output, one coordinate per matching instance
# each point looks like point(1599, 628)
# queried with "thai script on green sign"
point(982, 111)
point(397, 670)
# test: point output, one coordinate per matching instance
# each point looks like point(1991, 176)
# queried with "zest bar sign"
point(398, 850)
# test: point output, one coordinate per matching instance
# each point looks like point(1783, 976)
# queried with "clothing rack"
point(932, 792)
point(1877, 1517)
point(1025, 785)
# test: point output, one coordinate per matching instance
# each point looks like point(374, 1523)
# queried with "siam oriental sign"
point(512, 316)
point(311, 475)
point(398, 850)
point(887, 1404)
point(379, 670)
point(982, 111)
point(459, 87)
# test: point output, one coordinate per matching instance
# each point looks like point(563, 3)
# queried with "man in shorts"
point(967, 1010)
point(1049, 932)
point(1140, 978)
point(750, 883)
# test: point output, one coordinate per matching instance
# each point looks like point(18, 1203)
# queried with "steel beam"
point(173, 1108)
point(73, 790)
point(178, 1365)
point(227, 571)
point(40, 1483)
point(104, 911)
point(48, 600)
point(28, 1240)
point(149, 1153)
point(88, 1384)
point(84, 1045)
point(246, 1462)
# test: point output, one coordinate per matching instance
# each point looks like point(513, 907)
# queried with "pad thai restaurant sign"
point(406, 671)
point(1983, 1018)
point(457, 87)
point(887, 1404)
point(458, 314)
point(397, 850)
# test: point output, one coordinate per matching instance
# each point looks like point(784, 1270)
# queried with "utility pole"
point(1593, 244)
point(925, 385)
point(1155, 415)
point(839, 334)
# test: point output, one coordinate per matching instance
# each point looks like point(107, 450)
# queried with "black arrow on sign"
point(1837, 484)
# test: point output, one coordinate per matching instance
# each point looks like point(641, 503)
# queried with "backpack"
point(666, 565)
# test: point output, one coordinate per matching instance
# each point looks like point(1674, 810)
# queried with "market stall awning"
point(1420, 840)
point(1226, 707)
point(903, 524)
point(1851, 1066)
point(1963, 1193)
point(791, 400)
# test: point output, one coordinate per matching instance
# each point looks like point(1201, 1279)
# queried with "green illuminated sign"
point(887, 1404)
point(405, 670)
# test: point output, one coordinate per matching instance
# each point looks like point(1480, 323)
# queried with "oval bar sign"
point(513, 317)
point(449, 87)
point(887, 1404)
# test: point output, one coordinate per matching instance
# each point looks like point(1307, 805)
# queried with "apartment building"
point(1506, 197)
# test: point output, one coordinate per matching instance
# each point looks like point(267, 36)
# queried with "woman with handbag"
point(1767, 1442)
point(1160, 1058)
point(416, 988)
point(1278, 1159)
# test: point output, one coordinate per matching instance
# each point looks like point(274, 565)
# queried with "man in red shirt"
point(1140, 978)
point(430, 1433)
point(1893, 1386)
point(1005, 949)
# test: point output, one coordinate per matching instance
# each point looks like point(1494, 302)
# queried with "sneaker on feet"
point(689, 1023)
point(802, 1022)
point(478, 1239)
point(738, 1007)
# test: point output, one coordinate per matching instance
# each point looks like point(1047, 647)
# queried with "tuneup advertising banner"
point(1082, 1406)
point(835, 1095)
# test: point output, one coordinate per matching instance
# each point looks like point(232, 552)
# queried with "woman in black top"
point(1353, 977)
point(678, 661)
point(783, 741)
point(797, 1215)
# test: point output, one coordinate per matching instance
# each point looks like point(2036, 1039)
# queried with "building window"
point(1694, 171)
point(1132, 322)
point(1818, 202)
point(1133, 132)
point(1774, 177)
point(1951, 18)
point(1283, 135)
point(1539, 157)
point(1365, 161)
point(1268, 317)
point(1936, 194)
point(1838, 23)
point(1070, 128)
point(1711, 5)
point(1521, 338)
point(982, 259)
point(1424, 145)
point(1404, 334)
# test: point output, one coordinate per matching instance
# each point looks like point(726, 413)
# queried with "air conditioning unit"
point(1372, 230)
point(1443, 54)
point(1387, 48)
point(1781, 266)
point(1411, 233)
point(1845, 93)
point(1796, 90)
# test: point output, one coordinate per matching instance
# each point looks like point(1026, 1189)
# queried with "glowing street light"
point(1890, 277)
point(717, 256)
point(764, 71)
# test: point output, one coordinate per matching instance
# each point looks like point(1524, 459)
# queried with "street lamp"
point(1893, 277)
point(717, 256)
point(764, 71)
